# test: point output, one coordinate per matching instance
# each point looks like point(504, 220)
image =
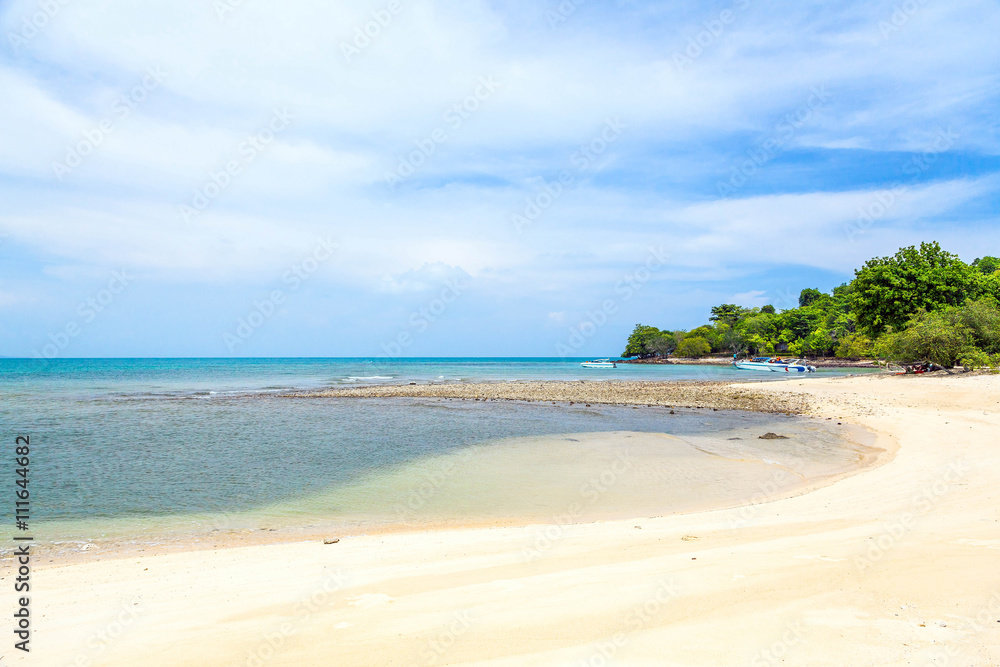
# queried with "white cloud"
point(751, 299)
point(353, 121)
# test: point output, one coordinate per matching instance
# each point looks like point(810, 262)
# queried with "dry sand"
point(897, 565)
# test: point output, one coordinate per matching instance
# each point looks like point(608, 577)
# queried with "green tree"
point(854, 346)
point(929, 336)
point(987, 265)
point(693, 346)
point(800, 322)
point(710, 334)
point(639, 339)
point(663, 345)
point(981, 318)
point(808, 295)
point(888, 291)
point(731, 339)
point(729, 313)
point(768, 309)
point(819, 342)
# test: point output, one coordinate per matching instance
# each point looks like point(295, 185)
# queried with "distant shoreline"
point(725, 361)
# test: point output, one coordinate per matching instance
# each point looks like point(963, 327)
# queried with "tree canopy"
point(922, 303)
point(888, 291)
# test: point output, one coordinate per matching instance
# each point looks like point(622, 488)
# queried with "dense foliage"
point(888, 291)
point(921, 304)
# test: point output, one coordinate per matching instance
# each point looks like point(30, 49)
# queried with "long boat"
point(774, 365)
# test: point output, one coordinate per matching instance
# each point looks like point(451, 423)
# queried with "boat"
point(599, 363)
point(774, 365)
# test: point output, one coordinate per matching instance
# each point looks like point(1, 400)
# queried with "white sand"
point(897, 565)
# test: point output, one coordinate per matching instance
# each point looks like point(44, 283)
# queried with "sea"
point(144, 451)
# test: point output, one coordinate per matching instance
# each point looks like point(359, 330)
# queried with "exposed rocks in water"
point(773, 436)
point(712, 395)
point(331, 541)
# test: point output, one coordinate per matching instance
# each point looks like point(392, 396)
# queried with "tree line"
point(921, 304)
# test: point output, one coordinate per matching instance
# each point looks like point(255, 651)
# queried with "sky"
point(470, 178)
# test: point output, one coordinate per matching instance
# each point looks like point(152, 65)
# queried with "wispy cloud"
point(890, 91)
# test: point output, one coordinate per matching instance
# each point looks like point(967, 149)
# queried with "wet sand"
point(895, 565)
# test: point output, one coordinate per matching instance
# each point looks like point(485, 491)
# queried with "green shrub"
point(927, 337)
point(974, 359)
point(694, 346)
point(982, 318)
point(855, 346)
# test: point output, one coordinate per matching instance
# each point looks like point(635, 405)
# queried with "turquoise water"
point(135, 440)
point(87, 377)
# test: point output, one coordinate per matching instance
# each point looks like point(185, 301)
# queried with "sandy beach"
point(896, 565)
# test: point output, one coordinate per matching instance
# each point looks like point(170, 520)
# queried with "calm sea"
point(125, 445)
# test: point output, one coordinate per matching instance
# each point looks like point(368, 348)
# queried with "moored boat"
point(599, 363)
point(774, 365)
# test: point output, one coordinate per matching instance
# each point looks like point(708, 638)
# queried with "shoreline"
point(897, 560)
point(726, 361)
point(181, 534)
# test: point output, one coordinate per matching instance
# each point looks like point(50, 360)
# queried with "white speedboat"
point(599, 363)
point(774, 365)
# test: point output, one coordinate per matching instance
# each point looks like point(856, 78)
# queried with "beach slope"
point(896, 565)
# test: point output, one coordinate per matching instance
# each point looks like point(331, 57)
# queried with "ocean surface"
point(127, 448)
point(91, 377)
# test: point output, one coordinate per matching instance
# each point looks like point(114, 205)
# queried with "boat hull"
point(772, 368)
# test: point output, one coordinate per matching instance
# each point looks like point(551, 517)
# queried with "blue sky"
point(235, 177)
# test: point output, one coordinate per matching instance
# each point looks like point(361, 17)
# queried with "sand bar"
point(897, 565)
point(690, 394)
